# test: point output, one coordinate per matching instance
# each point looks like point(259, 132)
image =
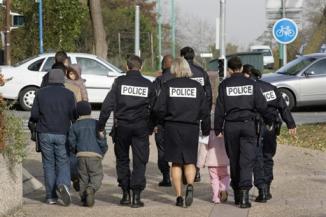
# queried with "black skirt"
point(181, 142)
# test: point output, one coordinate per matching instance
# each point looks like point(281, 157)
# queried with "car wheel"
point(26, 98)
point(288, 97)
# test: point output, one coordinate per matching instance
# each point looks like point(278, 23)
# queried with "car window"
point(35, 66)
point(266, 52)
point(49, 63)
point(91, 66)
point(295, 66)
point(319, 68)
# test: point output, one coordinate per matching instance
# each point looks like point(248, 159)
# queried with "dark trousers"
point(90, 173)
point(163, 165)
point(241, 147)
point(136, 136)
point(263, 170)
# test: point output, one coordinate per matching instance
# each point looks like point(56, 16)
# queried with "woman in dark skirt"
point(180, 106)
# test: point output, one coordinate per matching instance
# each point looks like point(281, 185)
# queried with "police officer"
point(131, 99)
point(200, 75)
point(238, 100)
point(163, 165)
point(263, 170)
point(180, 106)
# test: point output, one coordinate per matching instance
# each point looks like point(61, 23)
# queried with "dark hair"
point(234, 63)
point(188, 53)
point(134, 62)
point(251, 71)
point(59, 66)
point(60, 56)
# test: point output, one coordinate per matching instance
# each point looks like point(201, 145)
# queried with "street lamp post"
point(40, 21)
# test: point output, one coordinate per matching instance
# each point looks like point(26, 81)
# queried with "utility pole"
point(222, 33)
point(119, 44)
point(284, 45)
point(7, 32)
point(40, 22)
point(152, 50)
point(172, 18)
point(137, 35)
point(159, 31)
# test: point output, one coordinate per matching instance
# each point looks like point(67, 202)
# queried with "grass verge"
point(308, 136)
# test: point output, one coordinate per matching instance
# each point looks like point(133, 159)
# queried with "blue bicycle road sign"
point(285, 31)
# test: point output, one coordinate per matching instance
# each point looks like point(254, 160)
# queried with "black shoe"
point(262, 195)
point(268, 192)
point(244, 199)
point(136, 202)
point(189, 195)
point(197, 177)
point(179, 201)
point(75, 185)
point(63, 193)
point(125, 201)
point(236, 196)
point(165, 183)
point(90, 196)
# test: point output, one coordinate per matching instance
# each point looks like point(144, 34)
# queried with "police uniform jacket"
point(239, 99)
point(131, 99)
point(160, 80)
point(276, 103)
point(200, 75)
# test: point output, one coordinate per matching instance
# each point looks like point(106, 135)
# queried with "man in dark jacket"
point(131, 99)
point(61, 62)
point(200, 75)
point(90, 152)
point(163, 165)
point(53, 111)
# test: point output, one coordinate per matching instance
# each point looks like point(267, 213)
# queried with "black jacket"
point(239, 99)
point(82, 137)
point(183, 100)
point(162, 79)
point(131, 99)
point(276, 103)
point(200, 75)
point(53, 109)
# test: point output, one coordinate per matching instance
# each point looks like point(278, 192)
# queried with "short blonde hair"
point(180, 68)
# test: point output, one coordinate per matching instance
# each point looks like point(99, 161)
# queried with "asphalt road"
point(301, 116)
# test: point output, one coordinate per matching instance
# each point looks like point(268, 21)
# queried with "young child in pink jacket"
point(212, 154)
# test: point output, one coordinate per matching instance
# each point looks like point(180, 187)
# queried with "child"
point(213, 155)
point(74, 81)
point(90, 151)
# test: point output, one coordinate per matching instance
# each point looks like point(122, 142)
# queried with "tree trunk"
point(101, 45)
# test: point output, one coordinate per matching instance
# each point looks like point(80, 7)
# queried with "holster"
point(278, 126)
point(113, 132)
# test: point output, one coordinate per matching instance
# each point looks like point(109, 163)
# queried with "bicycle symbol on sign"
point(285, 31)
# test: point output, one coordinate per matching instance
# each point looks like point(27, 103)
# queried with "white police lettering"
point(134, 91)
point(200, 80)
point(270, 95)
point(240, 90)
point(183, 92)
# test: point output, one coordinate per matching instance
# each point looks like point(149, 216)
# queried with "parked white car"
point(26, 77)
point(267, 55)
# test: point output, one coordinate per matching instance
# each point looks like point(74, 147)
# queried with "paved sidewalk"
point(299, 190)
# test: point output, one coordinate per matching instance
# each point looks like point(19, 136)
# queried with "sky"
point(245, 19)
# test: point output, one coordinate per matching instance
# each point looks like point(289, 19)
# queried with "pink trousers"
point(220, 180)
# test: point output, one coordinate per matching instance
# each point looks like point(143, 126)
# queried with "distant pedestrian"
point(53, 111)
point(163, 165)
point(61, 62)
point(180, 106)
point(131, 99)
point(90, 151)
point(212, 154)
point(200, 75)
point(74, 78)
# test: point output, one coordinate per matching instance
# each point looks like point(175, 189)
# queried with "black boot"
point(268, 192)
point(197, 177)
point(236, 197)
point(125, 201)
point(244, 199)
point(179, 201)
point(136, 202)
point(166, 182)
point(262, 195)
